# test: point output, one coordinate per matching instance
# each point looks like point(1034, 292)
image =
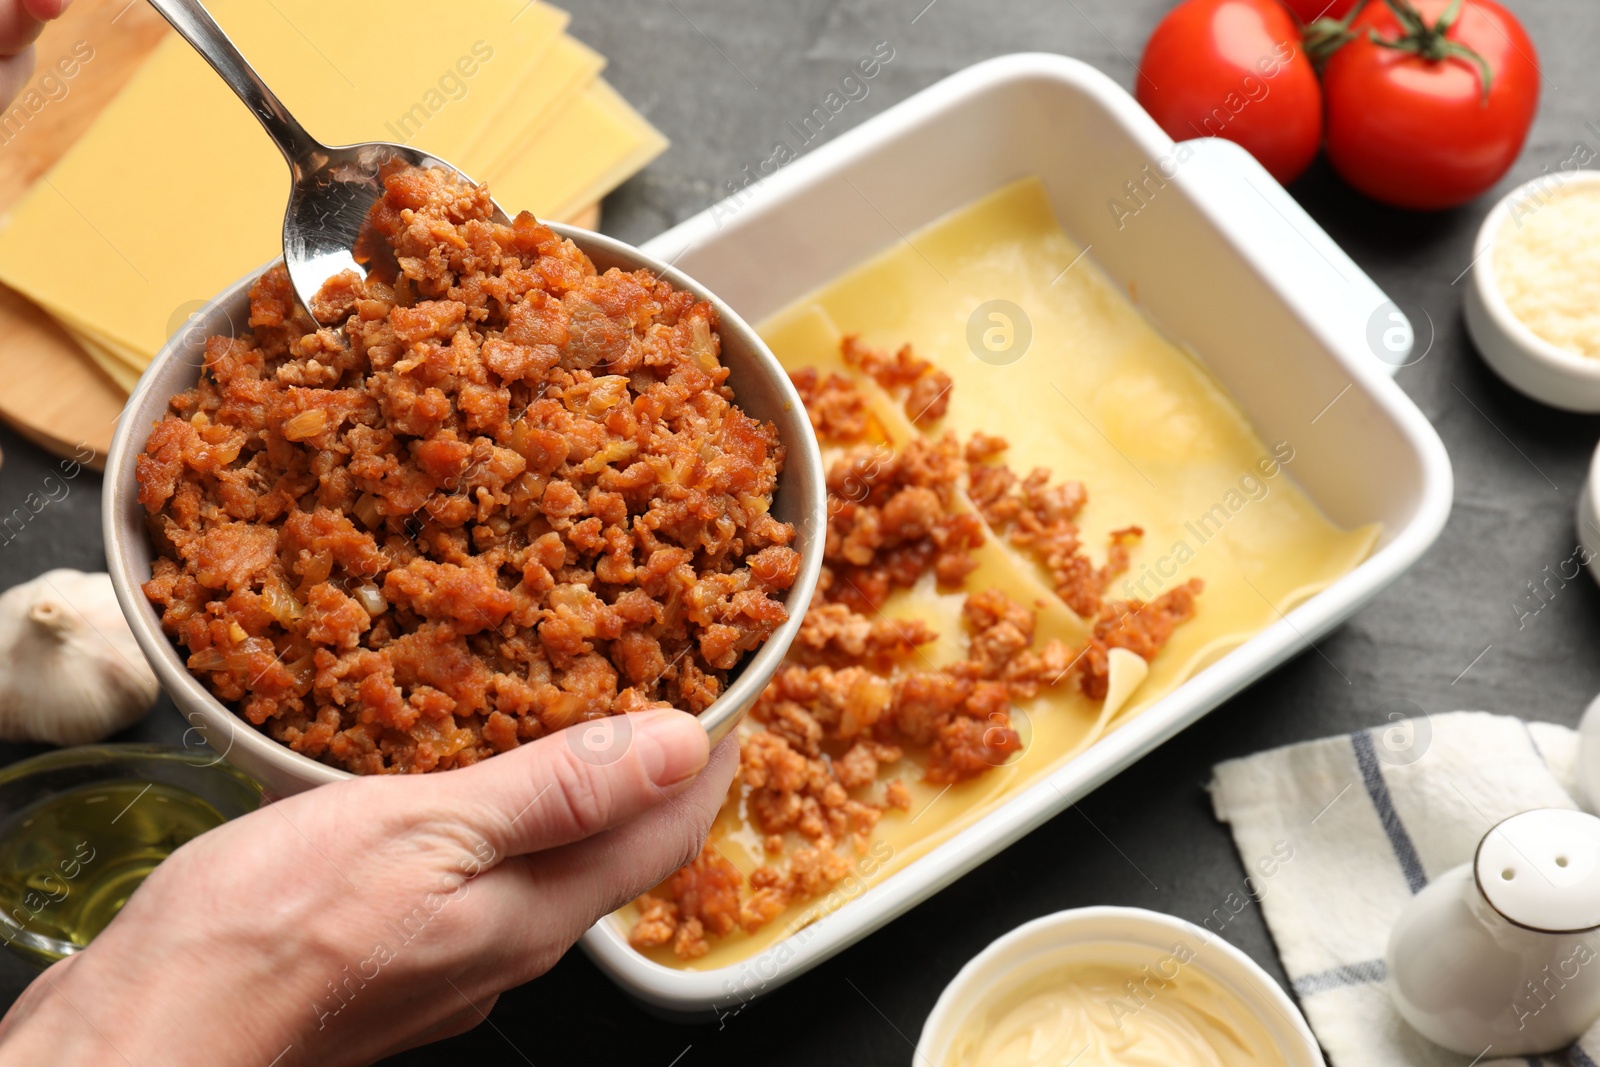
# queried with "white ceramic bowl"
point(1527, 361)
point(1221, 258)
point(987, 976)
point(757, 379)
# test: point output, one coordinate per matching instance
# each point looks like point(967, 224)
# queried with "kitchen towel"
point(1367, 820)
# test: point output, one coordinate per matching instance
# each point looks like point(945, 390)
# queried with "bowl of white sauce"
point(1105, 986)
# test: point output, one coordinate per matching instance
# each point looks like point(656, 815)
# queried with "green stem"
point(1430, 42)
point(1324, 36)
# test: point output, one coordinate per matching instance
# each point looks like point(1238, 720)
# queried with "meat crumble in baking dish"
point(510, 494)
point(856, 693)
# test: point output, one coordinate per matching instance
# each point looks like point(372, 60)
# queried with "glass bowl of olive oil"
point(82, 827)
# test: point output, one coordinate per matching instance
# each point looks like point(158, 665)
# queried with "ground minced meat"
point(510, 494)
point(831, 737)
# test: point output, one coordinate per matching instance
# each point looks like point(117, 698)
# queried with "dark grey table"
point(721, 78)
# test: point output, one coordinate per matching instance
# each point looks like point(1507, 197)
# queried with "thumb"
point(15, 70)
point(577, 782)
point(46, 10)
point(18, 29)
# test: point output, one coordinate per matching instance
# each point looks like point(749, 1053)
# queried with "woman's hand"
point(20, 23)
point(362, 918)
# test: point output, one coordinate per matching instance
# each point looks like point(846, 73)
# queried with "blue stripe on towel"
point(1579, 1058)
point(1378, 790)
point(1338, 977)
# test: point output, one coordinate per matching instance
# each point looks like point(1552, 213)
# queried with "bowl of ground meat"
point(533, 478)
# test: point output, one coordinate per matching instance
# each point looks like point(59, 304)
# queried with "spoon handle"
point(195, 25)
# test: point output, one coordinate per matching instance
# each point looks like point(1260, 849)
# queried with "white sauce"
point(1165, 1014)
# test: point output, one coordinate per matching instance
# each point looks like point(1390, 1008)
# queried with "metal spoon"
point(333, 186)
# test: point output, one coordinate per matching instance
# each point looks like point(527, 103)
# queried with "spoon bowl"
point(329, 207)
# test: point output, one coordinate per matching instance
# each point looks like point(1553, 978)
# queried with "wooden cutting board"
point(50, 392)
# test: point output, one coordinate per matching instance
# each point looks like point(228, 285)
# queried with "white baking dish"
point(1221, 258)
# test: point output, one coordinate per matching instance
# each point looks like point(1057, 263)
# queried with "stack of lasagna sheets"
point(176, 192)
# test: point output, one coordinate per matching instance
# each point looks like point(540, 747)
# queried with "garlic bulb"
point(70, 669)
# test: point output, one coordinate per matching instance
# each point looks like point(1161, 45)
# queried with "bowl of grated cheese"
point(1533, 308)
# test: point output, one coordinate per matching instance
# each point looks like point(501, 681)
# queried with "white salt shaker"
point(1501, 956)
point(1589, 735)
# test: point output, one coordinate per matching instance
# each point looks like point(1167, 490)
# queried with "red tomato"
point(1421, 133)
point(1235, 69)
point(1308, 11)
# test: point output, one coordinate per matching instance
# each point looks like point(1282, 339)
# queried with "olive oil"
point(69, 862)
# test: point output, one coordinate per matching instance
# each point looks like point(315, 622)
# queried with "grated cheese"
point(1547, 266)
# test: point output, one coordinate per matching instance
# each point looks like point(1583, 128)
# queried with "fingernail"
point(672, 745)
